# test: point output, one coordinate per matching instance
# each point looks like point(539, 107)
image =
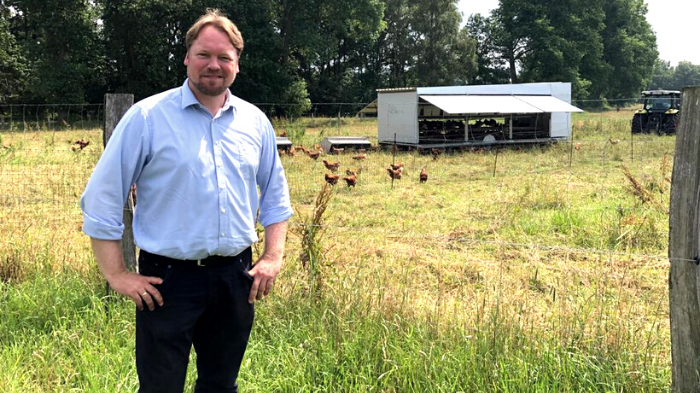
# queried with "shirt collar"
point(189, 99)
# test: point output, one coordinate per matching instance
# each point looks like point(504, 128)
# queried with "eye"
point(225, 59)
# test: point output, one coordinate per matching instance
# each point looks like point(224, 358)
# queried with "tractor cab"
point(661, 100)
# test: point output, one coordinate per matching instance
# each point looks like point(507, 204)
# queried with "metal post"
point(632, 145)
point(393, 159)
point(495, 161)
point(571, 151)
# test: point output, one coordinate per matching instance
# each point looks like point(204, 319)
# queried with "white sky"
point(672, 20)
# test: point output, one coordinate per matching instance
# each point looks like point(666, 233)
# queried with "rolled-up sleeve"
point(275, 205)
point(119, 167)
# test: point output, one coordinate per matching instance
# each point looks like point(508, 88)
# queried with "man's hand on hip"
point(139, 288)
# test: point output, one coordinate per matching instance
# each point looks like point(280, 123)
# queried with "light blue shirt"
point(200, 179)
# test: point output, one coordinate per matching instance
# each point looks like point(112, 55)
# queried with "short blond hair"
point(215, 18)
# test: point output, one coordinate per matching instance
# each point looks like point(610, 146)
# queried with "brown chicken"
point(436, 153)
point(332, 179)
point(398, 165)
point(353, 172)
point(423, 175)
point(80, 144)
point(337, 150)
point(394, 173)
point(333, 166)
point(313, 154)
point(350, 180)
point(359, 156)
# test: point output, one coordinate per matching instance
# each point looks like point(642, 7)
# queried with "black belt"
point(210, 261)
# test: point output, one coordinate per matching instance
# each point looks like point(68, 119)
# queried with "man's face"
point(212, 62)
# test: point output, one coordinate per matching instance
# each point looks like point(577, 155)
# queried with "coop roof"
point(283, 142)
point(488, 104)
point(369, 109)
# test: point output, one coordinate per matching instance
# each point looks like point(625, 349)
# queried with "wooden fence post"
point(115, 107)
point(683, 248)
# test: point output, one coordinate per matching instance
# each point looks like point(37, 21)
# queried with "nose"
point(213, 63)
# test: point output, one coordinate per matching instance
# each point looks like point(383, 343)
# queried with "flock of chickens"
point(395, 170)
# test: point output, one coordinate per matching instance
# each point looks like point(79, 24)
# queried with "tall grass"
point(536, 269)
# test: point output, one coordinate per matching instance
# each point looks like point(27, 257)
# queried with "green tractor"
point(660, 112)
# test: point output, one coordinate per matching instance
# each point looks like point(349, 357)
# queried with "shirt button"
point(223, 211)
point(223, 234)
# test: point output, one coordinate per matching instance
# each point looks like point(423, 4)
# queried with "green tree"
point(686, 74)
point(60, 42)
point(395, 47)
point(444, 54)
point(491, 69)
point(514, 23)
point(422, 45)
point(662, 76)
point(606, 49)
point(332, 56)
point(145, 41)
point(630, 49)
point(564, 43)
point(12, 63)
point(674, 78)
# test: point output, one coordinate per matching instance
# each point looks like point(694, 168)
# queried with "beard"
point(211, 89)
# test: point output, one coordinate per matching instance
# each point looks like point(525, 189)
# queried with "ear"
point(187, 59)
point(237, 68)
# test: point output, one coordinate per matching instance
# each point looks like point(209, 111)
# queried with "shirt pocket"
point(248, 160)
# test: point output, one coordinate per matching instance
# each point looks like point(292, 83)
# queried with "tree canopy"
point(605, 48)
point(322, 51)
point(675, 78)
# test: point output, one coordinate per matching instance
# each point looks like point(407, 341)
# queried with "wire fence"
point(38, 117)
point(43, 172)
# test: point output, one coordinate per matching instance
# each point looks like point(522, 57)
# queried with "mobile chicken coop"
point(452, 116)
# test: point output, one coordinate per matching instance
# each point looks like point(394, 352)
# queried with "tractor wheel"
point(637, 123)
point(670, 123)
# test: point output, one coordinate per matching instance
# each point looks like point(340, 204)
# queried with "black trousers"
point(204, 306)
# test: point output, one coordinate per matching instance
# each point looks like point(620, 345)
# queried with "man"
point(198, 156)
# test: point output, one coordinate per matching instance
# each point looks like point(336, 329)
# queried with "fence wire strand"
point(33, 178)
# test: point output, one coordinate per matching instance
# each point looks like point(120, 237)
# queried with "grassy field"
point(538, 269)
